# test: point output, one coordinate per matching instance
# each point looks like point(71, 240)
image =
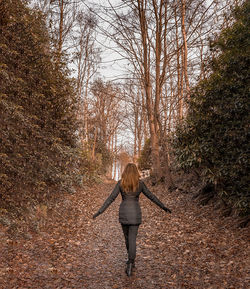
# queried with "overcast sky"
point(112, 66)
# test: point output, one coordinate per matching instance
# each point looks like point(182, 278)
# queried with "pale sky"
point(112, 66)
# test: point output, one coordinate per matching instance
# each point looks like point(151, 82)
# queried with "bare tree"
point(105, 113)
point(61, 16)
point(135, 112)
point(86, 57)
point(140, 31)
point(165, 43)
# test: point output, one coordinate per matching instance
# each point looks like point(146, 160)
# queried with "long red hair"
point(130, 178)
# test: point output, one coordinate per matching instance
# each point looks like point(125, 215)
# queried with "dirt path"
point(191, 248)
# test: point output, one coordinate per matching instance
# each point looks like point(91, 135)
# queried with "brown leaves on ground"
point(191, 248)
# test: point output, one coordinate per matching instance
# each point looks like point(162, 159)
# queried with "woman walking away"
point(130, 188)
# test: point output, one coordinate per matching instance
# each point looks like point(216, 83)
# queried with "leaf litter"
point(191, 248)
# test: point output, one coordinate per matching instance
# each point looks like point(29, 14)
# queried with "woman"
point(130, 188)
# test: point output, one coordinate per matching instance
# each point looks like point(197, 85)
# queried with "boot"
point(132, 263)
point(129, 269)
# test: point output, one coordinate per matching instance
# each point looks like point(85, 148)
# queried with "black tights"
point(130, 233)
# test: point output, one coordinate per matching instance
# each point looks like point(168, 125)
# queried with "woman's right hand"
point(95, 215)
point(167, 210)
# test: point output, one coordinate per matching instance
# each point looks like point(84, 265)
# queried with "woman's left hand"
point(95, 215)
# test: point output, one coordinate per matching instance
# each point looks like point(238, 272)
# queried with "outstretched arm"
point(153, 198)
point(108, 201)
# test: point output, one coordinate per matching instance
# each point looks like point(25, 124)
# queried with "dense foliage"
point(214, 137)
point(144, 161)
point(38, 131)
point(92, 167)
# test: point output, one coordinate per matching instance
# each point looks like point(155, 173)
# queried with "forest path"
point(190, 248)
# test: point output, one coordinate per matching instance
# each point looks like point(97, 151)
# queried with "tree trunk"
point(156, 167)
point(178, 56)
point(181, 85)
point(60, 40)
point(185, 50)
point(94, 145)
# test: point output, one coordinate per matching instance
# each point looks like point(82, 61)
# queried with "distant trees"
point(139, 31)
point(86, 59)
point(38, 107)
point(105, 116)
point(166, 44)
point(214, 136)
point(72, 31)
point(135, 115)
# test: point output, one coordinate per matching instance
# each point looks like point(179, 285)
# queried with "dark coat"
point(130, 211)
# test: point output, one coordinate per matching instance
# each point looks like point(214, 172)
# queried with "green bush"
point(214, 136)
point(38, 139)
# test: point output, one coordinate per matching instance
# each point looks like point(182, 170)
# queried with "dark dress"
point(130, 211)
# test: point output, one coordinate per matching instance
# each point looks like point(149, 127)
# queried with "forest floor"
point(191, 248)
